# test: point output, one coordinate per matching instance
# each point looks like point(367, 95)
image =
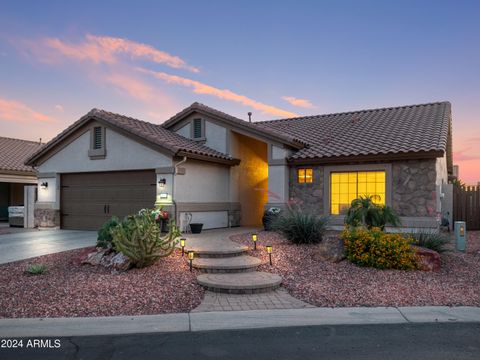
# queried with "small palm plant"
point(364, 212)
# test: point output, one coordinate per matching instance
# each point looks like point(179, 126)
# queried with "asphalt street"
point(439, 341)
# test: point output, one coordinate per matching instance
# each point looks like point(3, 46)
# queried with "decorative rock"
point(427, 260)
point(120, 262)
point(331, 248)
point(95, 258)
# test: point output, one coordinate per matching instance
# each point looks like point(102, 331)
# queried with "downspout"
point(175, 167)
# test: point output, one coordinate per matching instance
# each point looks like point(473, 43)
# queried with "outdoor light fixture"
point(254, 238)
point(269, 252)
point(163, 196)
point(162, 182)
point(182, 244)
point(190, 258)
point(44, 185)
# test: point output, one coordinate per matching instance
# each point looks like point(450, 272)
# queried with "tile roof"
point(153, 133)
point(404, 129)
point(257, 127)
point(14, 152)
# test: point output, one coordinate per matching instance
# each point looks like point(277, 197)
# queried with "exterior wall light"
point(254, 239)
point(191, 255)
point(162, 182)
point(44, 185)
point(182, 244)
point(163, 196)
point(269, 252)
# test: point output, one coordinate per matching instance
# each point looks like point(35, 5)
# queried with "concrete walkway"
point(25, 245)
point(206, 321)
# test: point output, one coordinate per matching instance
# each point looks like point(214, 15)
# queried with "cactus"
point(139, 238)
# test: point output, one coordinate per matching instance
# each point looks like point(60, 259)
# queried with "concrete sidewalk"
point(61, 327)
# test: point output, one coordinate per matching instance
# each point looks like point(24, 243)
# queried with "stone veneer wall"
point(308, 196)
point(413, 188)
point(47, 218)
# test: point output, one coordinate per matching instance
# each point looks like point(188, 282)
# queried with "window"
point(97, 138)
point(197, 128)
point(347, 186)
point(305, 175)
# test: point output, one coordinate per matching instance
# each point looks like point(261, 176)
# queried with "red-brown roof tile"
point(14, 152)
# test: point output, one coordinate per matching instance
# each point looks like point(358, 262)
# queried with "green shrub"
point(374, 248)
point(364, 212)
point(36, 269)
point(139, 238)
point(430, 240)
point(301, 227)
point(104, 239)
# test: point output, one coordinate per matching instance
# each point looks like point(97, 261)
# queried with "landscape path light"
point(254, 239)
point(191, 255)
point(182, 244)
point(269, 252)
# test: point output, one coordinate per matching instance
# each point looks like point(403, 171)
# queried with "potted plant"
point(161, 217)
point(196, 228)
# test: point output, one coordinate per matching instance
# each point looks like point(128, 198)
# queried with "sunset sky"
point(150, 59)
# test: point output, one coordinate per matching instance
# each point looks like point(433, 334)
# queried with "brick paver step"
point(235, 264)
point(240, 283)
point(228, 250)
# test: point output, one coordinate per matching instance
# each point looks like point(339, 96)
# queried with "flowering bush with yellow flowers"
point(374, 248)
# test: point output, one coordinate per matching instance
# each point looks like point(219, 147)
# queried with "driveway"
point(19, 246)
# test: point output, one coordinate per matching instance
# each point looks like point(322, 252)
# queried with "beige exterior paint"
point(249, 180)
point(122, 153)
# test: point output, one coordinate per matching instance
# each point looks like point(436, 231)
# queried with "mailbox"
point(460, 235)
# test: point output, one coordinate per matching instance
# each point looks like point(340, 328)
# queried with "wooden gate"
point(466, 205)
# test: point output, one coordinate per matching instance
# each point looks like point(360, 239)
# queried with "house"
point(206, 166)
point(14, 174)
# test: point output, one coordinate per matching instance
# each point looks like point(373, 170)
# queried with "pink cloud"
point(303, 103)
point(136, 88)
point(465, 155)
point(99, 49)
point(12, 110)
point(201, 88)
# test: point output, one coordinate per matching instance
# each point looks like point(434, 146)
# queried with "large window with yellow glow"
point(347, 186)
point(305, 175)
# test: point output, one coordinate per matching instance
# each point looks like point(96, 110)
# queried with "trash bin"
point(460, 235)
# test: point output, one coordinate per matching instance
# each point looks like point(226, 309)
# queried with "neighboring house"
point(14, 174)
point(224, 171)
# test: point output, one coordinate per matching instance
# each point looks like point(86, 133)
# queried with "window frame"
point(304, 182)
point(387, 167)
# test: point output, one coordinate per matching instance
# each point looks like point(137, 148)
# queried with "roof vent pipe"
point(249, 116)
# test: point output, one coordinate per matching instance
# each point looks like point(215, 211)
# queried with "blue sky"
point(274, 58)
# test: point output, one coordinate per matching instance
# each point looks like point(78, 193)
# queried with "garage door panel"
point(87, 197)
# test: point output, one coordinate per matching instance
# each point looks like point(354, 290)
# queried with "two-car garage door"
point(89, 199)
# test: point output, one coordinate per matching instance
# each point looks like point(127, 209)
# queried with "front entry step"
point(227, 265)
point(220, 252)
point(240, 283)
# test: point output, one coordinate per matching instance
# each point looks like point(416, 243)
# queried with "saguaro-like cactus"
point(139, 238)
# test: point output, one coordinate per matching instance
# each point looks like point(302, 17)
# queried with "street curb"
point(233, 320)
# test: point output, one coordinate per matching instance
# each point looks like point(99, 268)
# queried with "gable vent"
point(97, 137)
point(197, 128)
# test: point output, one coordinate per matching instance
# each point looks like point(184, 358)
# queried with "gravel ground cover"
point(69, 289)
point(344, 284)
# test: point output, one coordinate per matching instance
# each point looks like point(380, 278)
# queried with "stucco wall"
point(202, 182)
point(185, 130)
point(122, 154)
point(249, 180)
